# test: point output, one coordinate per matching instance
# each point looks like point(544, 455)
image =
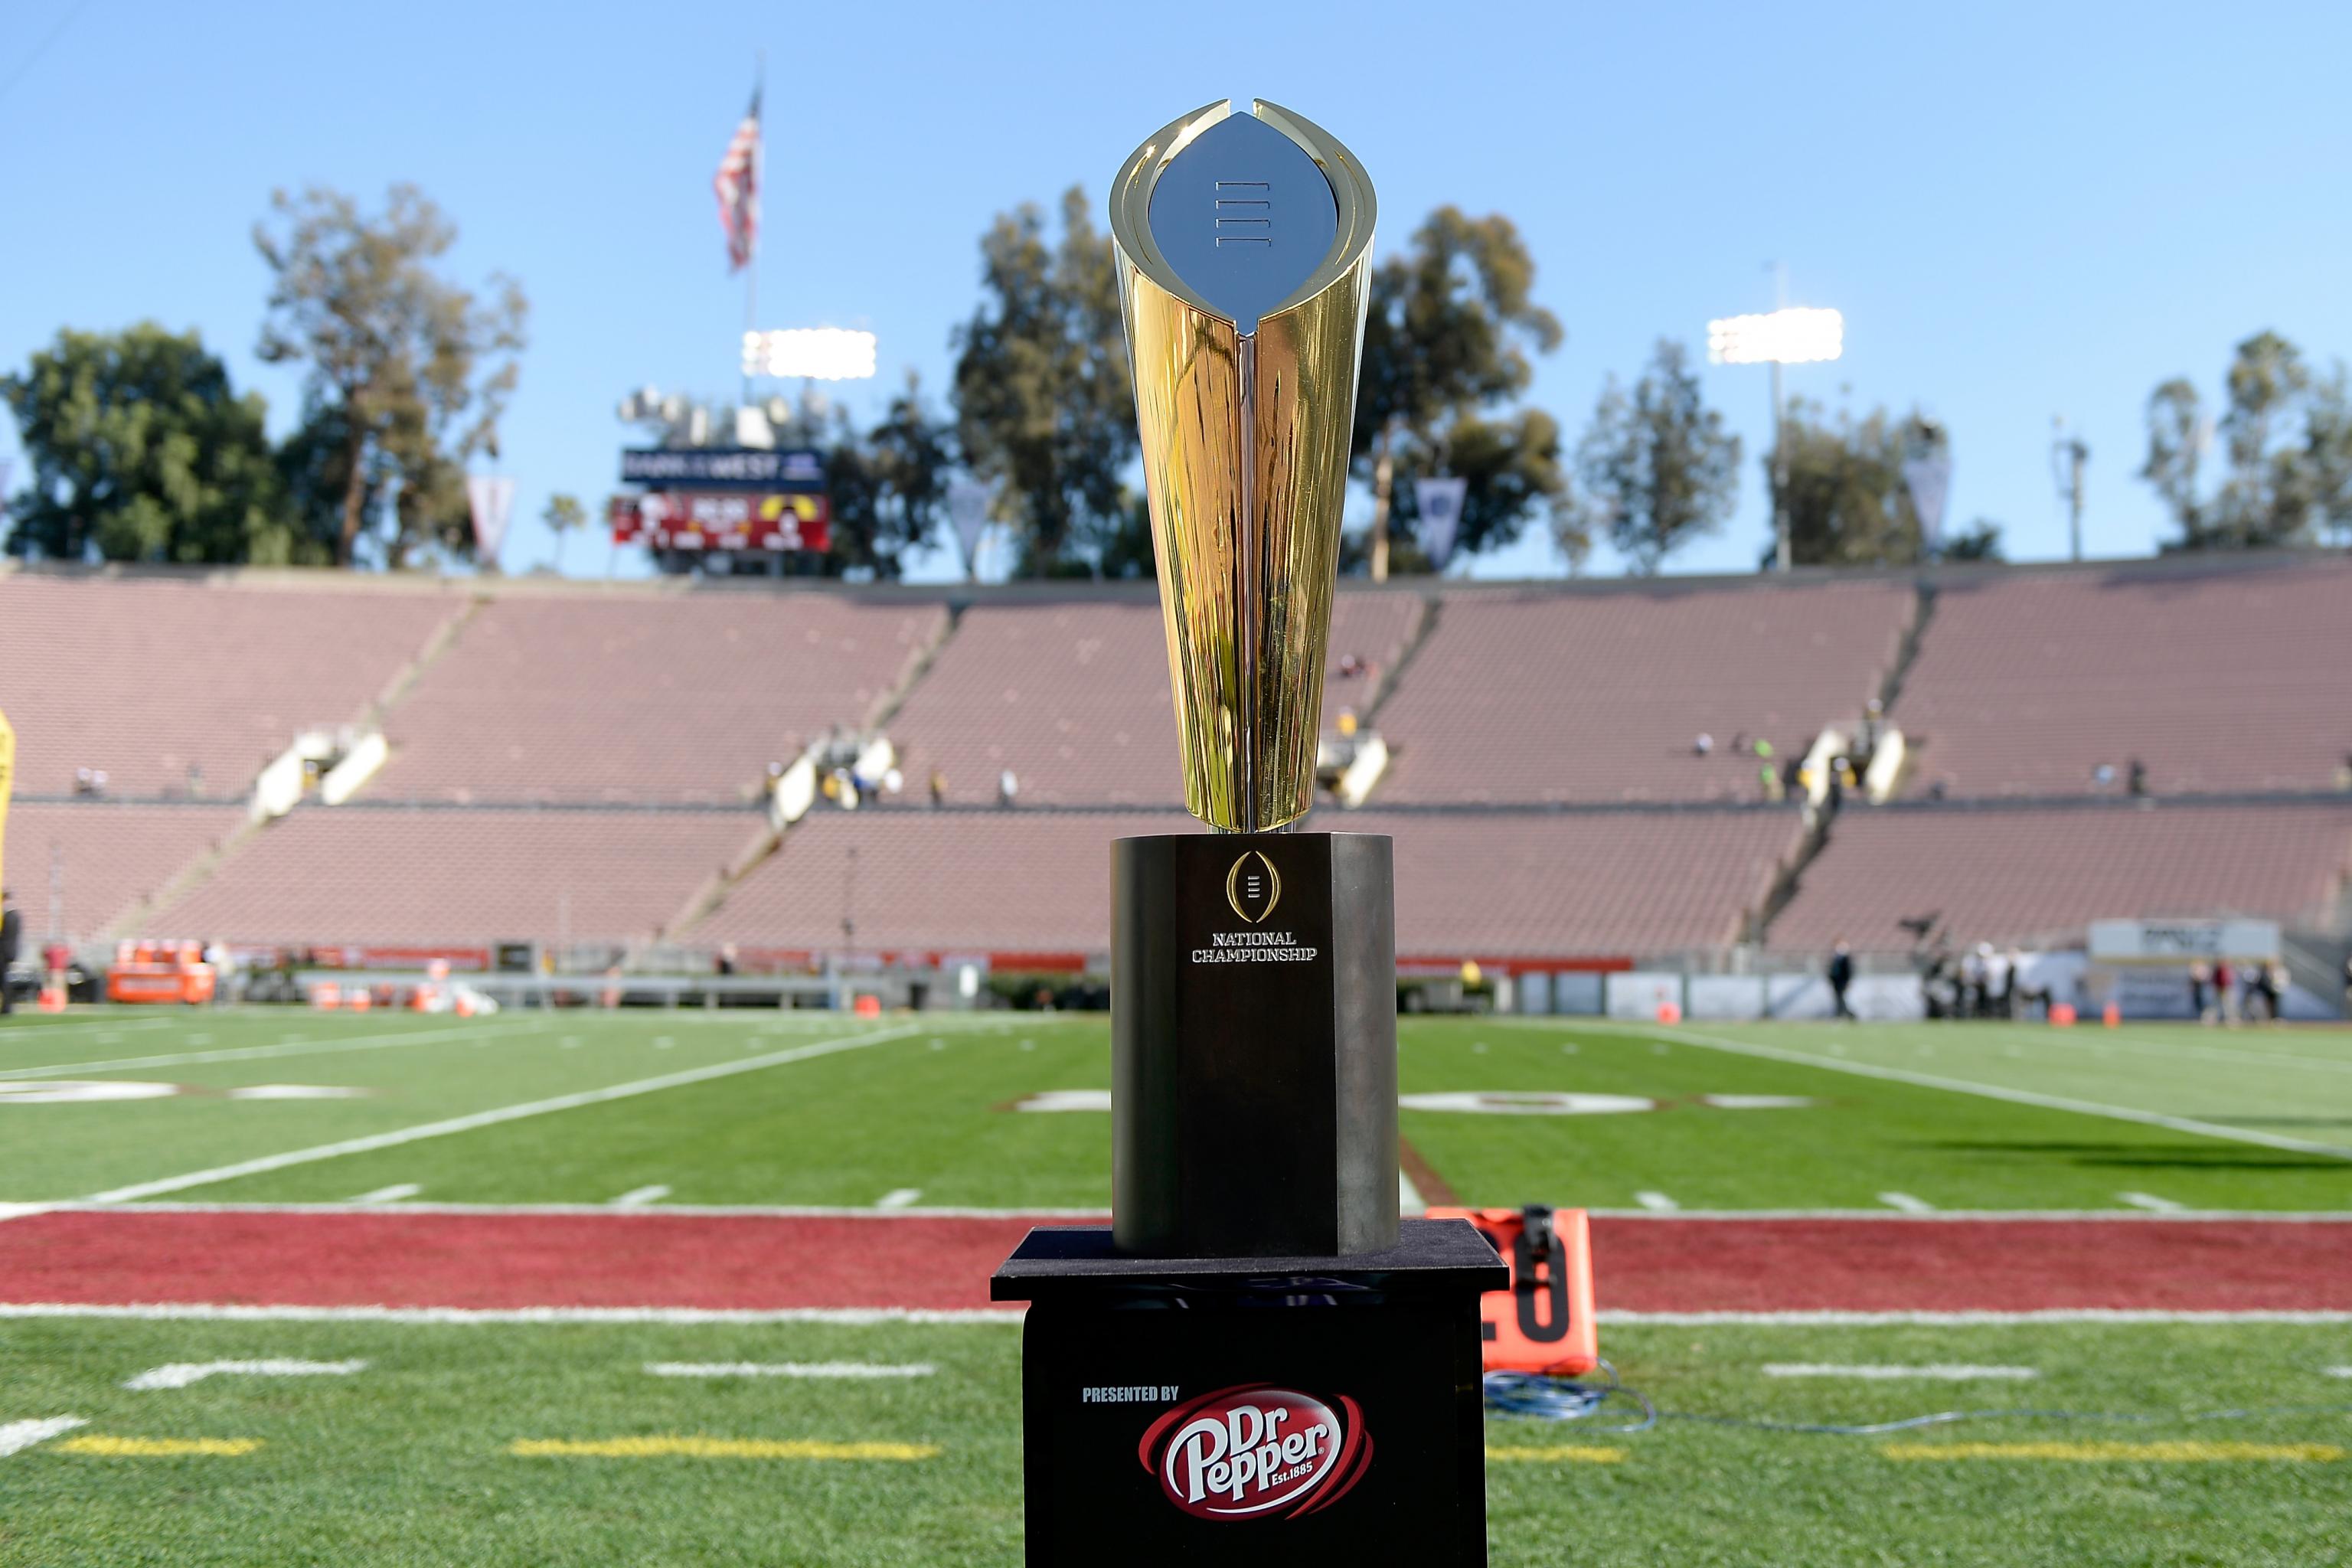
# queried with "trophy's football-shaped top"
point(1243, 246)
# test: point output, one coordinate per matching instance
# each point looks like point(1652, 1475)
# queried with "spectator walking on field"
point(2225, 1005)
point(2199, 978)
point(1841, 976)
point(12, 932)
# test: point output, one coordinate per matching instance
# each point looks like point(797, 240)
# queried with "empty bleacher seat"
point(2218, 679)
point(387, 875)
point(2028, 875)
point(645, 698)
point(111, 857)
point(157, 681)
point(1597, 694)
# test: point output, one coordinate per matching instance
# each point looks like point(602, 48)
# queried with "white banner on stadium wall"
point(1440, 502)
point(1881, 998)
point(1727, 998)
point(2182, 942)
point(1639, 994)
point(1577, 992)
point(968, 509)
point(491, 499)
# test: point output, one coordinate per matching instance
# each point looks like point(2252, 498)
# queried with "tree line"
point(141, 450)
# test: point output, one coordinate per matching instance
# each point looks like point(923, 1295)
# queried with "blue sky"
point(2024, 210)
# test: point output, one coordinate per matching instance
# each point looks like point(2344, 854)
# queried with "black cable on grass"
point(1546, 1398)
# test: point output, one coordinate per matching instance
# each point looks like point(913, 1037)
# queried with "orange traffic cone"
point(2114, 1014)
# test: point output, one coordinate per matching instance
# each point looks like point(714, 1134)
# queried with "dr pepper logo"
point(1256, 1452)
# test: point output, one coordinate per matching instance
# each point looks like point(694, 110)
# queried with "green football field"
point(413, 1458)
point(799, 1442)
point(806, 1108)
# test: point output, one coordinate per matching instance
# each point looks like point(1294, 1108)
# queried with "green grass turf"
point(925, 1110)
point(406, 1463)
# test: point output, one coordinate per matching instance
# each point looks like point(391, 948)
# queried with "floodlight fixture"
point(1793, 336)
point(809, 354)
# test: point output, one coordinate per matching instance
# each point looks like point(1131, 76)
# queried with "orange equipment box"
point(1544, 1321)
point(152, 971)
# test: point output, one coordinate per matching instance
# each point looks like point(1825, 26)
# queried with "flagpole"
point(759, 190)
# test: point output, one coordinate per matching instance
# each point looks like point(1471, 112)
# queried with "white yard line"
point(743, 1211)
point(226, 1312)
point(256, 1053)
point(851, 1369)
point(1409, 1198)
point(866, 1317)
point(2150, 1203)
point(1955, 1320)
point(1906, 1203)
point(899, 1198)
point(493, 1118)
point(1655, 1203)
point(183, 1373)
point(391, 1195)
point(18, 1435)
point(844, 1211)
point(640, 1197)
point(1987, 1091)
point(2339, 1372)
point(1935, 1372)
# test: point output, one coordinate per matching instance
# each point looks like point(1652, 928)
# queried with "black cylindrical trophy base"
point(1254, 1045)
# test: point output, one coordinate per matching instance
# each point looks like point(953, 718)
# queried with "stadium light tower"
point(1785, 336)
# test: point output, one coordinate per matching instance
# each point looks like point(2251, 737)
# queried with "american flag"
point(737, 184)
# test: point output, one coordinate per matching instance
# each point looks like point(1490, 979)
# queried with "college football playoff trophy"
point(1211, 1378)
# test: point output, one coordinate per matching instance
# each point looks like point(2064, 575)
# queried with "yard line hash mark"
point(18, 1435)
point(899, 1198)
point(183, 1373)
point(1907, 1202)
point(391, 1195)
point(2152, 1203)
point(1935, 1372)
point(639, 1197)
point(1656, 1202)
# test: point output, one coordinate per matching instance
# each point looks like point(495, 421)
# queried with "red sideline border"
point(509, 1261)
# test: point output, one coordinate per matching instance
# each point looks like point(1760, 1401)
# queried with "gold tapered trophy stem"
point(1243, 246)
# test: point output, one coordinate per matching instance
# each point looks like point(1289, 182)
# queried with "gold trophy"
point(1243, 246)
point(1257, 1269)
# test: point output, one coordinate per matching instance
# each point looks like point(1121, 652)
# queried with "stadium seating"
point(112, 857)
point(645, 698)
point(2026, 874)
point(2218, 679)
point(1544, 795)
point(1597, 695)
point(958, 881)
point(1577, 884)
point(1545, 884)
point(426, 876)
point(156, 680)
point(1073, 697)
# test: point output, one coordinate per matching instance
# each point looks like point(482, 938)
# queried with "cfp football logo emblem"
point(1253, 887)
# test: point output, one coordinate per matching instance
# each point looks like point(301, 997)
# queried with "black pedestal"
point(1263, 1410)
point(1254, 1045)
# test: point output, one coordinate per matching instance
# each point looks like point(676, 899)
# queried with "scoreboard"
point(671, 519)
point(739, 500)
